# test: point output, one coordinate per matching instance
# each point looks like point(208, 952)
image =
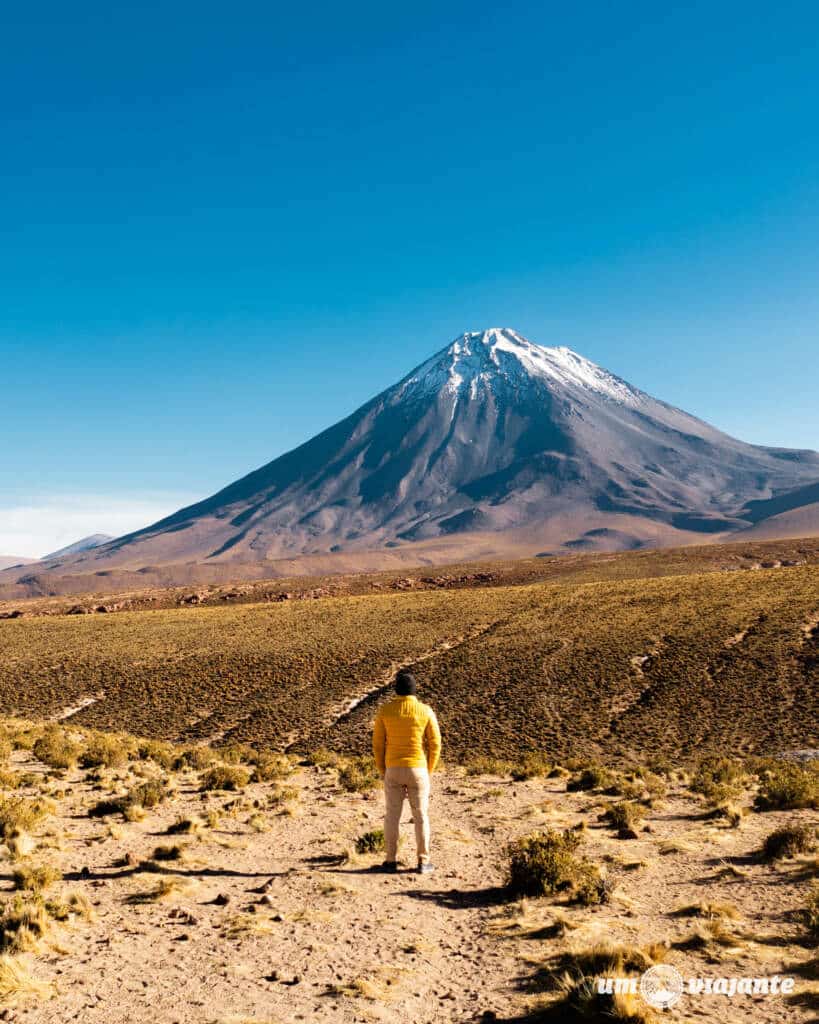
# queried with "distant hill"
point(6, 561)
point(94, 540)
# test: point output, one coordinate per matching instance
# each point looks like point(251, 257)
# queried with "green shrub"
point(788, 787)
point(370, 842)
point(543, 863)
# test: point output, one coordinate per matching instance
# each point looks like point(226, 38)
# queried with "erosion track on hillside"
point(385, 683)
point(70, 712)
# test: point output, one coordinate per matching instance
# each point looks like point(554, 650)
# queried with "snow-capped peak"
point(479, 357)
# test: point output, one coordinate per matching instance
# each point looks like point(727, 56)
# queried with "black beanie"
point(405, 684)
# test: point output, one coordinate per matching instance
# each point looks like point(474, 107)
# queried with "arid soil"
point(270, 916)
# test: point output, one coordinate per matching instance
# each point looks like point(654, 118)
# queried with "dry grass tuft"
point(166, 889)
point(572, 977)
point(18, 985)
point(19, 815)
point(35, 878)
point(711, 937)
point(24, 926)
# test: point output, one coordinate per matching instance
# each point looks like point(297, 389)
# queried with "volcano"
point(494, 445)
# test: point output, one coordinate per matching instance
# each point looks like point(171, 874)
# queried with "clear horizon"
point(225, 233)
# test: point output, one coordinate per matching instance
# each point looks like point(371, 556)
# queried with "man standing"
point(402, 727)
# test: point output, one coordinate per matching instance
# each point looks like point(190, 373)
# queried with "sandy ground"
point(270, 927)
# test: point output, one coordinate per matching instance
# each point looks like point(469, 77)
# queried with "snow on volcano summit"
point(477, 358)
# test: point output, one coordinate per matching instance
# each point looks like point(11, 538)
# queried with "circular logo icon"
point(661, 986)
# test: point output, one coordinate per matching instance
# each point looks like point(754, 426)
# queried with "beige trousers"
point(411, 784)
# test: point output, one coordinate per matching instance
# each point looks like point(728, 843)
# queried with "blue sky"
point(225, 227)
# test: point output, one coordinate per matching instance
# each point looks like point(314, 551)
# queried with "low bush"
point(358, 775)
point(789, 841)
point(106, 750)
point(56, 749)
point(788, 787)
point(544, 863)
point(228, 777)
point(594, 776)
point(487, 766)
point(719, 779)
point(370, 842)
point(531, 766)
point(625, 815)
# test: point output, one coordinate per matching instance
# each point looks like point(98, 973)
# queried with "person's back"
point(403, 727)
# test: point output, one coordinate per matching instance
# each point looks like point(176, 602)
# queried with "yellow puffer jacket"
point(401, 727)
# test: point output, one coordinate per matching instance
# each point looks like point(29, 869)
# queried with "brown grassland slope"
point(679, 664)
